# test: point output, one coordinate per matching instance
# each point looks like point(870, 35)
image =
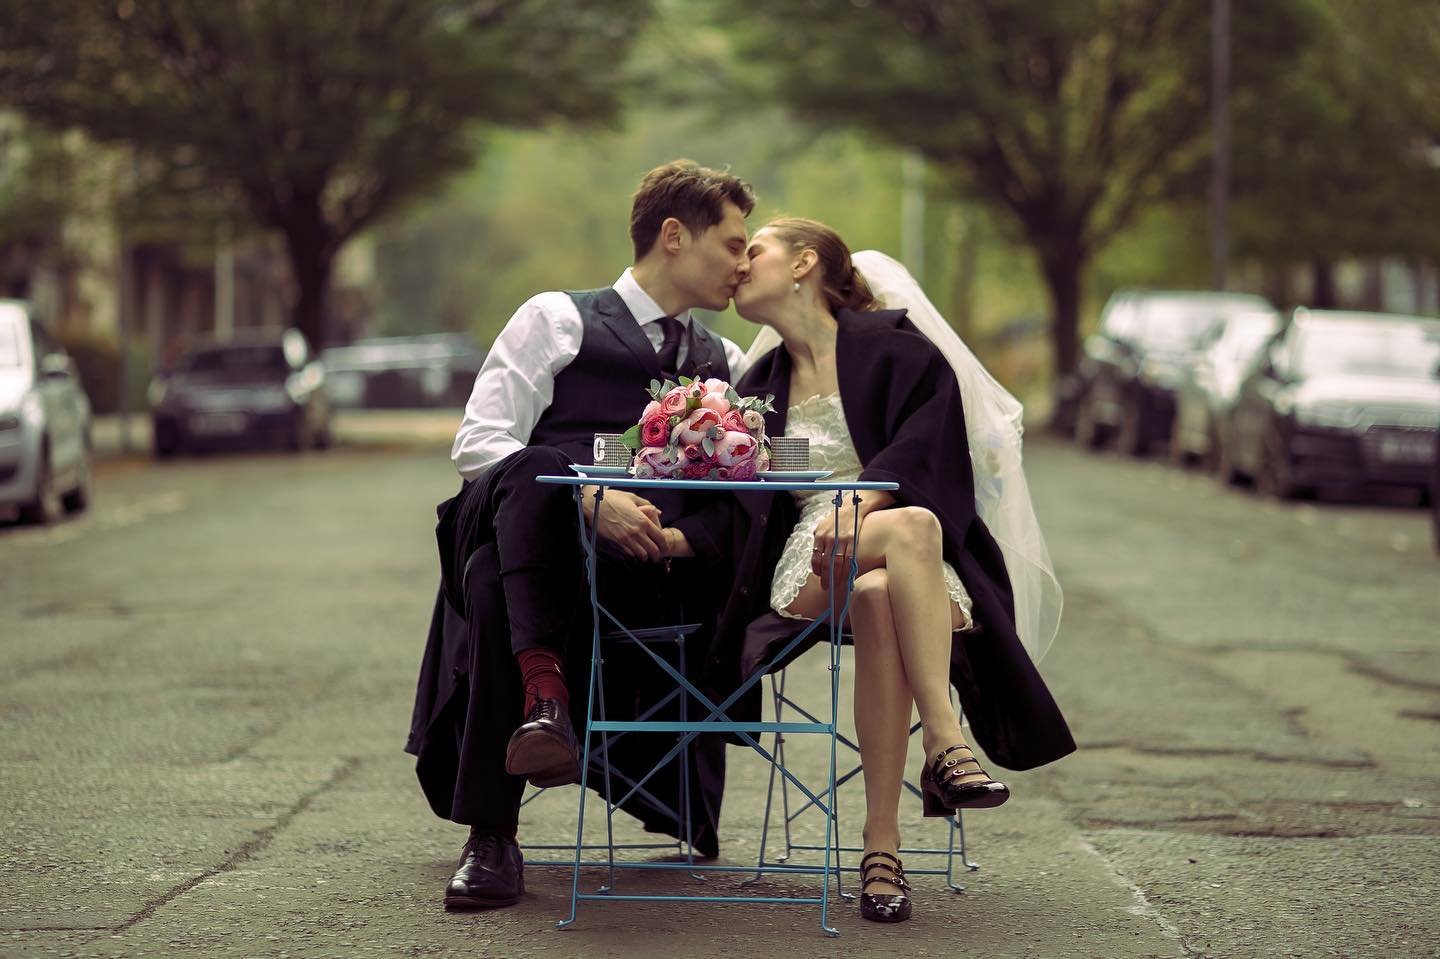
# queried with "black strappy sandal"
point(942, 794)
point(884, 907)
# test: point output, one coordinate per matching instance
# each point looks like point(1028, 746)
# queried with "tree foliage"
point(313, 119)
point(1068, 116)
point(1336, 157)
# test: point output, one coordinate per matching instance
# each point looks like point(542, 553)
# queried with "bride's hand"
point(843, 543)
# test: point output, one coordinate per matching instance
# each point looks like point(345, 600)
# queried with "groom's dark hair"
point(693, 194)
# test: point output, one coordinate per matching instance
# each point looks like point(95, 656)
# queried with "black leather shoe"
point(942, 792)
point(544, 749)
point(491, 874)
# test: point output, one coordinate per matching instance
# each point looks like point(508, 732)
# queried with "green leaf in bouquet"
point(708, 445)
point(686, 381)
point(732, 396)
point(654, 389)
point(631, 438)
point(715, 432)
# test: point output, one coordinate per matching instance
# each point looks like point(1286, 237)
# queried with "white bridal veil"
point(993, 425)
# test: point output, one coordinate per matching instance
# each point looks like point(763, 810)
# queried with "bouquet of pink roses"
point(700, 429)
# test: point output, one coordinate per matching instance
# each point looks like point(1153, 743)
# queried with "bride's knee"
point(872, 589)
point(915, 530)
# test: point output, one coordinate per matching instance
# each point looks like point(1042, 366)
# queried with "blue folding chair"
point(956, 823)
point(674, 639)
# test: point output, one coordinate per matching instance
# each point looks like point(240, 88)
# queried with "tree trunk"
point(1062, 263)
point(312, 261)
point(1322, 292)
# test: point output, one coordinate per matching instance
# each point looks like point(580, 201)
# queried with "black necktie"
point(669, 354)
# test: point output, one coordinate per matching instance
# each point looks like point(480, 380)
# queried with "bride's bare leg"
point(882, 713)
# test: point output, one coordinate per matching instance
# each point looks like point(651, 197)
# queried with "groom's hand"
point(630, 522)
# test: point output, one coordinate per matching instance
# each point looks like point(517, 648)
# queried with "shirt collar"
point(641, 305)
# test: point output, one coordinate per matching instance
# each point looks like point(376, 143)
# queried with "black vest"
point(603, 388)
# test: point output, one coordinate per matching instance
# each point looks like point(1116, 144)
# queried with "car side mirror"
point(56, 366)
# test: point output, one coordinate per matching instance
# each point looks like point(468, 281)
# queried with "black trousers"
point(513, 564)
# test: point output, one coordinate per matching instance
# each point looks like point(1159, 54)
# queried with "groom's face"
point(713, 262)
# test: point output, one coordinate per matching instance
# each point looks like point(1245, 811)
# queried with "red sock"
point(544, 676)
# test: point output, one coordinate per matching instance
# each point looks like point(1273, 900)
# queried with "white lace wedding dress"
point(822, 420)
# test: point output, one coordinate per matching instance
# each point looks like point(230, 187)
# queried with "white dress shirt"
point(516, 384)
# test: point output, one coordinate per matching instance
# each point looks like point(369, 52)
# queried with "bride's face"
point(771, 277)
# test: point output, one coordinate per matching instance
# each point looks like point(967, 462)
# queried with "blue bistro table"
point(715, 718)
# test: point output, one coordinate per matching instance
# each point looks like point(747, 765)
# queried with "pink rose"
point(675, 402)
point(733, 422)
point(700, 469)
point(716, 402)
point(692, 453)
point(762, 460)
point(656, 462)
point(735, 448)
point(655, 429)
point(714, 385)
point(651, 409)
point(754, 422)
point(745, 470)
point(692, 430)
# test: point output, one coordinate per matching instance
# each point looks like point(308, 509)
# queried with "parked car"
point(437, 369)
point(44, 421)
point(1435, 493)
point(1209, 384)
point(259, 389)
point(1132, 365)
point(1338, 399)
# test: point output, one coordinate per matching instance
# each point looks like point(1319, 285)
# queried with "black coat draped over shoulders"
point(904, 413)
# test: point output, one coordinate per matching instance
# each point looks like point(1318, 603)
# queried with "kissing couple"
point(955, 584)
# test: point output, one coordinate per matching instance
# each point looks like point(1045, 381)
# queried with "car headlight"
point(156, 392)
point(1160, 372)
point(300, 385)
point(31, 409)
point(272, 398)
point(1340, 416)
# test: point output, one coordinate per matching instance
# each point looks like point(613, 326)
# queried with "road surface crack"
point(247, 850)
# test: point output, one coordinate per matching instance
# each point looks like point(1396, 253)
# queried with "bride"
point(953, 572)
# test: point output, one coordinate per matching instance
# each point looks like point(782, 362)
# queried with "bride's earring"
point(797, 286)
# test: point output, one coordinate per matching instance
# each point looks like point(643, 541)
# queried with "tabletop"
point(735, 486)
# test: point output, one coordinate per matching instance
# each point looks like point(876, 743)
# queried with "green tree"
point(313, 119)
point(38, 179)
point(1334, 159)
point(1067, 116)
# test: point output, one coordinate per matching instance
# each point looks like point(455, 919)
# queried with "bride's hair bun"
point(843, 285)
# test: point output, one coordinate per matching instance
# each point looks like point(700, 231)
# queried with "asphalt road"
point(205, 683)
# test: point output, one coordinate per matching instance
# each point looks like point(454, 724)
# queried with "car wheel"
point(1088, 433)
point(299, 438)
point(164, 444)
point(1131, 438)
point(46, 506)
point(78, 498)
point(1274, 475)
point(1209, 460)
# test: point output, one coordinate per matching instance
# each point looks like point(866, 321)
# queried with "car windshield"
point(9, 343)
point(1178, 324)
point(1244, 334)
point(1376, 349)
point(236, 359)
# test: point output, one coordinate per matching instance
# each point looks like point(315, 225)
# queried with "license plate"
point(1407, 448)
point(218, 424)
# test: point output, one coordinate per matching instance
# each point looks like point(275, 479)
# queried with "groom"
point(510, 635)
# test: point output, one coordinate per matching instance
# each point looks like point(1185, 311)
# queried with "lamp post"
point(1220, 147)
